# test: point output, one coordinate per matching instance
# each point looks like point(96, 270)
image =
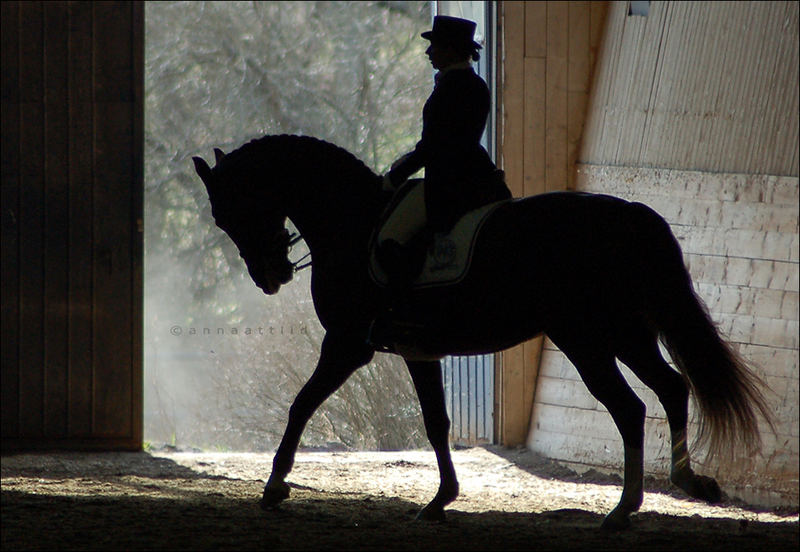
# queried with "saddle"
point(449, 255)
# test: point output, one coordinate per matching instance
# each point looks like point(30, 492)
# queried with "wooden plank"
point(779, 361)
point(578, 79)
point(754, 330)
point(726, 75)
point(734, 99)
point(700, 42)
point(111, 282)
point(137, 220)
point(536, 29)
point(606, 58)
point(754, 273)
point(598, 13)
point(761, 75)
point(511, 421)
point(9, 82)
point(556, 170)
point(750, 244)
point(113, 51)
point(9, 198)
point(764, 303)
point(573, 393)
point(647, 74)
point(585, 450)
point(564, 392)
point(582, 423)
point(56, 220)
point(534, 136)
point(513, 418)
point(693, 185)
point(782, 145)
point(616, 135)
point(778, 147)
point(556, 365)
point(81, 177)
point(531, 357)
point(721, 214)
point(513, 93)
point(112, 291)
point(731, 49)
point(31, 219)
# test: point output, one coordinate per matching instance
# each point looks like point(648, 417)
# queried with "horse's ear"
point(218, 154)
point(204, 172)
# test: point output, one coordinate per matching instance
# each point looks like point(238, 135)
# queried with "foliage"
point(217, 75)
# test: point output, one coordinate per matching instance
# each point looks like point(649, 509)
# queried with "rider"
point(459, 174)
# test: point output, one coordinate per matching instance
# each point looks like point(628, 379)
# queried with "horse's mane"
point(302, 153)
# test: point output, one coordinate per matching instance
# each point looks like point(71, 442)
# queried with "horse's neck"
point(333, 224)
point(334, 216)
point(331, 197)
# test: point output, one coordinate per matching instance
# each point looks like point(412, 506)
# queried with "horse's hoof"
point(274, 494)
point(431, 513)
point(705, 488)
point(616, 521)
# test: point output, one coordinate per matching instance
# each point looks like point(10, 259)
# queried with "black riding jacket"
point(458, 170)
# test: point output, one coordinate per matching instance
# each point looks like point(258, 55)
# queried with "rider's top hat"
point(452, 30)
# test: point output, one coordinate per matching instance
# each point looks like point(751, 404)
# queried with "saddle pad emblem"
point(444, 253)
point(448, 257)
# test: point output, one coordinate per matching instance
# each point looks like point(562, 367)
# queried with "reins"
point(297, 267)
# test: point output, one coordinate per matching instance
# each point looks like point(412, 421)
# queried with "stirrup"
point(378, 345)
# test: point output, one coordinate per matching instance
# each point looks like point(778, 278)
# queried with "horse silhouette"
point(604, 278)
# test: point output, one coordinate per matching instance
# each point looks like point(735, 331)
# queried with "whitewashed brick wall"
point(739, 234)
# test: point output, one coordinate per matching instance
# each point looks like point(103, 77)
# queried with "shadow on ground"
point(140, 502)
point(546, 468)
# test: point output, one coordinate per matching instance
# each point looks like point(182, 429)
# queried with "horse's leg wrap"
point(602, 377)
point(644, 358)
point(427, 378)
point(632, 491)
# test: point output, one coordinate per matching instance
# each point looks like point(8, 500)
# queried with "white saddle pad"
point(449, 257)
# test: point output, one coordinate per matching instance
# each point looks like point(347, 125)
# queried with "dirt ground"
point(510, 500)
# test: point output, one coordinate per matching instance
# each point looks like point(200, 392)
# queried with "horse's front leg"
point(338, 360)
point(427, 377)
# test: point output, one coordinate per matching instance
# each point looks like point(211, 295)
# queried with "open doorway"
point(223, 361)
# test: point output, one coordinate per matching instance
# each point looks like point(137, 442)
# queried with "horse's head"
point(257, 229)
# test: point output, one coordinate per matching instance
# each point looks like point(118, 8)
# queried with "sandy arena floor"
point(509, 500)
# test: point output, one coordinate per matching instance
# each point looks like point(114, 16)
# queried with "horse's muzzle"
point(270, 281)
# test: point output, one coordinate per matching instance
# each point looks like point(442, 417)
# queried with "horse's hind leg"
point(602, 377)
point(427, 378)
point(642, 356)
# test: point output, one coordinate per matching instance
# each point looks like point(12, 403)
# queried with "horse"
point(602, 277)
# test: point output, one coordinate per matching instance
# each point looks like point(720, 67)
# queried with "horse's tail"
point(727, 392)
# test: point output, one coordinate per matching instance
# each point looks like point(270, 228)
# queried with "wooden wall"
point(708, 86)
point(547, 55)
point(72, 166)
point(692, 86)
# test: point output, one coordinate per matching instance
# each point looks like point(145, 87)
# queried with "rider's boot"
point(402, 264)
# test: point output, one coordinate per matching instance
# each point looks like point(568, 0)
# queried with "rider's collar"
point(454, 67)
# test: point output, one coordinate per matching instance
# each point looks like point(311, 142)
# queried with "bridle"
point(296, 266)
